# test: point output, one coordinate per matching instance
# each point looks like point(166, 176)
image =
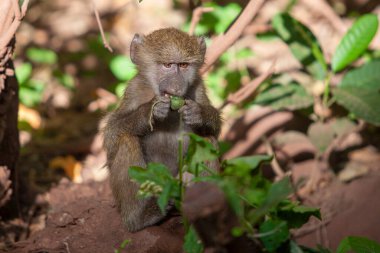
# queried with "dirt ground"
point(83, 218)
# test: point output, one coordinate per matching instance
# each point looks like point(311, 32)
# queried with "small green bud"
point(176, 102)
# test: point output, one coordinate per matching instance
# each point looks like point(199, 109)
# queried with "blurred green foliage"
point(217, 21)
point(124, 70)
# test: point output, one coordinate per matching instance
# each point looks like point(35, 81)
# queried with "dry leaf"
point(70, 165)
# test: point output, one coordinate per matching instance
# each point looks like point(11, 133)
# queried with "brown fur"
point(128, 139)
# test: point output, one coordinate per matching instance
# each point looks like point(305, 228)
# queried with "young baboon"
point(144, 129)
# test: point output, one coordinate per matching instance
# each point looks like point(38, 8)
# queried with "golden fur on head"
point(170, 45)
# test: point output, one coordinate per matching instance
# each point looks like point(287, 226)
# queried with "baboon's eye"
point(167, 65)
point(183, 65)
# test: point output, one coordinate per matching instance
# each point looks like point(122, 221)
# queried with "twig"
point(24, 7)
point(275, 165)
point(17, 16)
point(324, 9)
point(197, 14)
point(247, 90)
point(223, 42)
point(105, 42)
point(16, 9)
point(67, 247)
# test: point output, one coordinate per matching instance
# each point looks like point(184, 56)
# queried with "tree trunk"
point(9, 139)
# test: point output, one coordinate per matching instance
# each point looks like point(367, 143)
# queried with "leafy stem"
point(181, 171)
point(326, 92)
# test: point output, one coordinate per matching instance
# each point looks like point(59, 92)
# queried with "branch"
point(105, 42)
point(247, 90)
point(324, 9)
point(10, 32)
point(223, 42)
point(197, 14)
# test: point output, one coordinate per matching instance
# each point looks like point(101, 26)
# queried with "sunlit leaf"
point(302, 43)
point(123, 68)
point(120, 89)
point(41, 55)
point(23, 72)
point(355, 41)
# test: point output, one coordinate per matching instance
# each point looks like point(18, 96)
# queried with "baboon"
point(143, 128)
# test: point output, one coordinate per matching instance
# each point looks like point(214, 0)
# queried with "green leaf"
point(233, 197)
point(199, 151)
point(164, 197)
point(122, 68)
point(120, 88)
point(66, 80)
point(297, 215)
point(362, 102)
point(155, 172)
point(159, 175)
point(31, 92)
point(242, 166)
point(192, 243)
point(218, 20)
point(275, 232)
point(355, 41)
point(40, 55)
point(277, 193)
point(294, 248)
point(321, 135)
point(342, 126)
point(302, 43)
point(23, 72)
point(358, 245)
point(366, 76)
point(292, 97)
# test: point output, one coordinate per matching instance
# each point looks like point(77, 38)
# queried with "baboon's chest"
point(161, 145)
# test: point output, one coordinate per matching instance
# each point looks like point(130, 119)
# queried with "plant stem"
point(327, 90)
point(180, 172)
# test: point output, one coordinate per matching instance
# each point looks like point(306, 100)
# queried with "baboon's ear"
point(202, 44)
point(136, 41)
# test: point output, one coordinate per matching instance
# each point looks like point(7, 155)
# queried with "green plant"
point(261, 206)
point(358, 92)
point(32, 86)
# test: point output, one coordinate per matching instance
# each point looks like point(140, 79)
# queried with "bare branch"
point(105, 42)
point(223, 42)
point(275, 164)
point(24, 7)
point(247, 90)
point(14, 21)
point(324, 9)
point(197, 14)
point(16, 9)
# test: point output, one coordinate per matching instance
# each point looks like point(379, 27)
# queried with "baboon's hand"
point(192, 113)
point(161, 108)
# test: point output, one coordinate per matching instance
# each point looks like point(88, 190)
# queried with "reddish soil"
point(83, 218)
